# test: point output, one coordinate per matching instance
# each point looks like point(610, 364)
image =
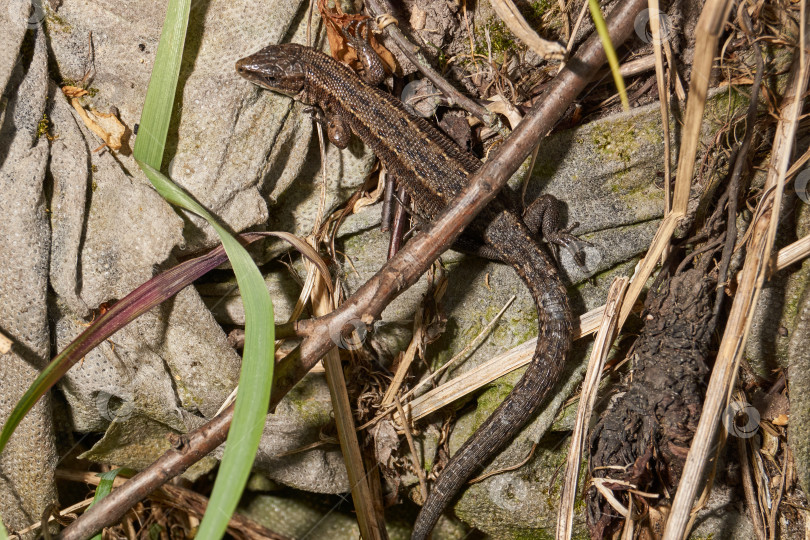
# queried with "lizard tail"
point(553, 342)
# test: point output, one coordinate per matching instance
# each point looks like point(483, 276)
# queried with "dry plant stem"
point(72, 509)
point(405, 363)
point(710, 25)
point(403, 270)
point(748, 488)
point(736, 173)
point(663, 99)
point(420, 472)
point(372, 527)
point(380, 7)
point(183, 499)
point(753, 276)
point(590, 386)
point(798, 250)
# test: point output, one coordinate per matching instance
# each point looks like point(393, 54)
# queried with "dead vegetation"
point(659, 445)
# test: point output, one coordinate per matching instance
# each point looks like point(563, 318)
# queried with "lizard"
point(433, 169)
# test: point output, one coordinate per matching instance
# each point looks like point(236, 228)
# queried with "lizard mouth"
point(260, 74)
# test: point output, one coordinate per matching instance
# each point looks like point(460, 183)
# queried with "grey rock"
point(27, 462)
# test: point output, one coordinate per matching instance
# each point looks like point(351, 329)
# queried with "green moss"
point(55, 22)
point(500, 37)
point(302, 397)
point(622, 138)
point(621, 141)
point(531, 534)
point(544, 17)
point(43, 126)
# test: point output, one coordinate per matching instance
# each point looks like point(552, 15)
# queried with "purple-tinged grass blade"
point(150, 294)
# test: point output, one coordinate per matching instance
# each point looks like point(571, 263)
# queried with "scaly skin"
point(433, 170)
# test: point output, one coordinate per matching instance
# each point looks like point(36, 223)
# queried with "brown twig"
point(739, 162)
point(411, 51)
point(394, 277)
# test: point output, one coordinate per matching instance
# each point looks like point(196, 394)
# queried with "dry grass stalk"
point(663, 99)
point(590, 386)
point(486, 373)
point(798, 250)
point(754, 271)
point(420, 472)
point(72, 509)
point(405, 364)
point(372, 526)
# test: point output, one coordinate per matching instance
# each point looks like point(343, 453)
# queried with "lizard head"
point(276, 67)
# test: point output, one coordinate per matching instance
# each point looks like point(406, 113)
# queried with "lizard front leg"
point(337, 128)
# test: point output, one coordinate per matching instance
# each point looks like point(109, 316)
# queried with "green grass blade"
point(255, 380)
point(157, 107)
point(105, 487)
point(610, 52)
point(3, 531)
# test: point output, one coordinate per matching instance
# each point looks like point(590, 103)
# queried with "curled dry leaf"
point(105, 125)
point(499, 105)
point(5, 344)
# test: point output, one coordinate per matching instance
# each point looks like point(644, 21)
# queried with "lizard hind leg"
point(373, 70)
point(542, 217)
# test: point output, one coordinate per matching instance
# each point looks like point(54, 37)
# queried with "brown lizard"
point(433, 169)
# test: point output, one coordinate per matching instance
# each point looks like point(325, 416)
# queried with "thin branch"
point(411, 51)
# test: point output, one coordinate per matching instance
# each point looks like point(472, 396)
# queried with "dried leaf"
point(336, 21)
